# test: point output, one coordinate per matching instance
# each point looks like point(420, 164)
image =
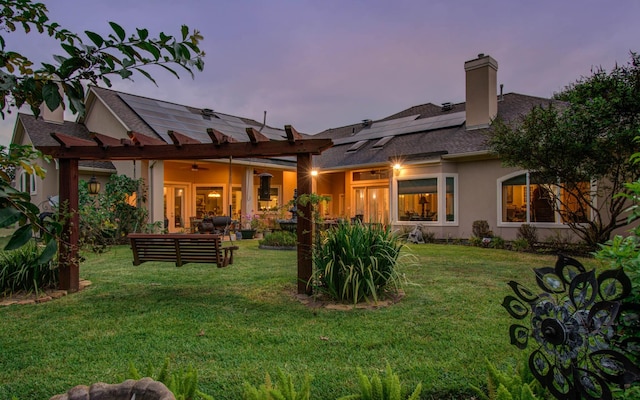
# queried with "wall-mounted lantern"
point(93, 185)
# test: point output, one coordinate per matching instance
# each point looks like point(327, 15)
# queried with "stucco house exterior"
point(428, 164)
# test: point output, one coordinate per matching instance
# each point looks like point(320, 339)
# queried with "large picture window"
point(418, 200)
point(525, 200)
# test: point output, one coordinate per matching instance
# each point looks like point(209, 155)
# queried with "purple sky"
point(323, 64)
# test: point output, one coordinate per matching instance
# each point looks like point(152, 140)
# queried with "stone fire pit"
point(143, 389)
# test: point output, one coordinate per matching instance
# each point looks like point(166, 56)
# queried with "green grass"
point(439, 334)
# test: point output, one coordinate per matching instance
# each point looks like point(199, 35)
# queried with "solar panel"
point(403, 126)
point(162, 116)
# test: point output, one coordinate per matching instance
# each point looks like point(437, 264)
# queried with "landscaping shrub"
point(21, 269)
point(480, 229)
point(279, 239)
point(529, 233)
point(520, 244)
point(386, 388)
point(108, 217)
point(497, 243)
point(429, 237)
point(356, 262)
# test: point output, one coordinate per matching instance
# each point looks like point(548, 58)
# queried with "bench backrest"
point(180, 248)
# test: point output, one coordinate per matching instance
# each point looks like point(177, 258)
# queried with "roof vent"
point(207, 113)
point(366, 122)
point(447, 106)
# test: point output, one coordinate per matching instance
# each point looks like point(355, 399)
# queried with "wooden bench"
point(180, 248)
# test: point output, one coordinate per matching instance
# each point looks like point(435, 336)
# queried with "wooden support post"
point(305, 224)
point(68, 265)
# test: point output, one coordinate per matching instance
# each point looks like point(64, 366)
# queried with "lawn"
point(235, 324)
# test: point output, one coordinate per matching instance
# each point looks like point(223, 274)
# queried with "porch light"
point(314, 172)
point(93, 185)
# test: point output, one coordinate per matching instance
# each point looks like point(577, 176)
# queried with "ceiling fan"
point(195, 167)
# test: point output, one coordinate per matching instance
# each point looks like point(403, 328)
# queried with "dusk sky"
point(328, 63)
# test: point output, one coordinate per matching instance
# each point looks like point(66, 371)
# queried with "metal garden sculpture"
point(585, 337)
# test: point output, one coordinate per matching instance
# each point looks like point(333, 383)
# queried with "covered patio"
point(71, 150)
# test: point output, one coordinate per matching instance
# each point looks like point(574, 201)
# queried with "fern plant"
point(387, 387)
point(183, 383)
point(284, 389)
point(520, 385)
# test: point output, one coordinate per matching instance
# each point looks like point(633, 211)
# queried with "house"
point(427, 165)
point(180, 191)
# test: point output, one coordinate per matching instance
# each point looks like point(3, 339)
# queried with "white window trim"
point(504, 224)
point(442, 204)
point(22, 185)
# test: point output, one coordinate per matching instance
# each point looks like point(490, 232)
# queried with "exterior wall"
point(289, 184)
point(332, 184)
point(477, 197)
point(99, 119)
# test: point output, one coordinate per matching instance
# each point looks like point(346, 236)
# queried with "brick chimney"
point(481, 91)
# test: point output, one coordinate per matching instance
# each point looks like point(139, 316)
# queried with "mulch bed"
point(43, 296)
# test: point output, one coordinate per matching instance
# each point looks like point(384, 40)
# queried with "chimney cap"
point(483, 60)
point(447, 106)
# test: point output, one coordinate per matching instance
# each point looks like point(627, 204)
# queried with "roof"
point(156, 117)
point(422, 131)
point(39, 131)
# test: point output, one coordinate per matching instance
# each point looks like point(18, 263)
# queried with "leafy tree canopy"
point(90, 58)
point(586, 134)
point(85, 59)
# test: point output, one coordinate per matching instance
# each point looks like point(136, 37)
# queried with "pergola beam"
point(87, 150)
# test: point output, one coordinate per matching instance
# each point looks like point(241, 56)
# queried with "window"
point(371, 203)
point(428, 199)
point(27, 183)
point(209, 201)
point(525, 200)
point(450, 199)
point(374, 174)
point(418, 200)
point(272, 203)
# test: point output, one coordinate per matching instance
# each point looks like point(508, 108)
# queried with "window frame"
point(30, 186)
point(441, 185)
point(558, 219)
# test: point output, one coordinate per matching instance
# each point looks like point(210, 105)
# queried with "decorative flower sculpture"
point(585, 337)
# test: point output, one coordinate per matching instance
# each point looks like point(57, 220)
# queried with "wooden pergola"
point(141, 147)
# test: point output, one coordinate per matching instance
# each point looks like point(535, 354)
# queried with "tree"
point(87, 59)
point(587, 136)
point(82, 63)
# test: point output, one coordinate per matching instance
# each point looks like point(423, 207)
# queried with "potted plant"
point(249, 226)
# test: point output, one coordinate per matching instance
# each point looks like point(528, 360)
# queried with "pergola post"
point(305, 224)
point(68, 264)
